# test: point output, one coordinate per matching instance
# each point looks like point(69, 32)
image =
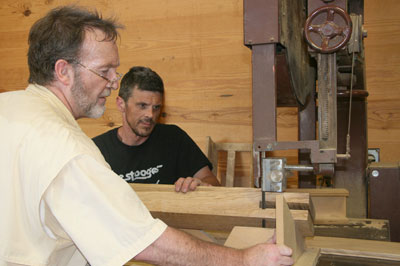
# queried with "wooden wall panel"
point(197, 47)
point(383, 76)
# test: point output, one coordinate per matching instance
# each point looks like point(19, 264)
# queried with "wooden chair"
point(212, 149)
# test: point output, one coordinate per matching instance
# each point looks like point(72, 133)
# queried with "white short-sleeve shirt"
point(103, 217)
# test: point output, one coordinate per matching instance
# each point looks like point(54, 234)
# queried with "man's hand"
point(269, 254)
point(175, 247)
point(188, 184)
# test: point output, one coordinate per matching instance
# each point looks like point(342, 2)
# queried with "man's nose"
point(149, 112)
point(113, 85)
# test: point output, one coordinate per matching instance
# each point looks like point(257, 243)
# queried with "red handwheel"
point(328, 36)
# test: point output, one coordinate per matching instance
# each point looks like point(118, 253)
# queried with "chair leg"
point(230, 169)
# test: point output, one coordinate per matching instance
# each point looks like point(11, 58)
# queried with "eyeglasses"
point(111, 81)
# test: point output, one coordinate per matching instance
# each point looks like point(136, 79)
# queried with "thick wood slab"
point(355, 247)
point(370, 229)
point(328, 205)
point(218, 208)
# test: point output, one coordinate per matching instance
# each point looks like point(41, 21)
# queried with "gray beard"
point(86, 108)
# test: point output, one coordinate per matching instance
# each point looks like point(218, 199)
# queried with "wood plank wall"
point(382, 52)
point(197, 47)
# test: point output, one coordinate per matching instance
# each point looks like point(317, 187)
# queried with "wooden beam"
point(218, 208)
point(241, 197)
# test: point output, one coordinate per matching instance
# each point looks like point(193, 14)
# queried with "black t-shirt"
point(168, 154)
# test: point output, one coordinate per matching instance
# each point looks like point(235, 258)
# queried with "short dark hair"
point(142, 78)
point(60, 35)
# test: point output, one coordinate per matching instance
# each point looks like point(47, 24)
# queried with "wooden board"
point(217, 208)
point(286, 231)
point(244, 237)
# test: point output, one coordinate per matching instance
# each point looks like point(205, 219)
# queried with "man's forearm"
point(212, 180)
point(175, 247)
point(205, 175)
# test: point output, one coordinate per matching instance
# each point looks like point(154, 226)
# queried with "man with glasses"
point(61, 203)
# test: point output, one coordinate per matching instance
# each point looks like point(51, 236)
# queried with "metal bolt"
point(364, 33)
point(375, 173)
point(276, 176)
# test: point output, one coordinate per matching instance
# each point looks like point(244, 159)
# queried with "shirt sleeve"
point(99, 212)
point(190, 159)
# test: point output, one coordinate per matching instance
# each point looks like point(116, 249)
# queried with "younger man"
point(144, 151)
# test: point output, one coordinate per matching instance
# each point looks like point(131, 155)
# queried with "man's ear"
point(63, 72)
point(120, 104)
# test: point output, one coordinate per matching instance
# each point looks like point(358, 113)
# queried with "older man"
point(58, 196)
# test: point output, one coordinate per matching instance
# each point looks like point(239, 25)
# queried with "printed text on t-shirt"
point(141, 174)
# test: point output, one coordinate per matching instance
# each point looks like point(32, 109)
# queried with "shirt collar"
point(54, 101)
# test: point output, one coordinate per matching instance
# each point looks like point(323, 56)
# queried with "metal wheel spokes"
point(328, 30)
